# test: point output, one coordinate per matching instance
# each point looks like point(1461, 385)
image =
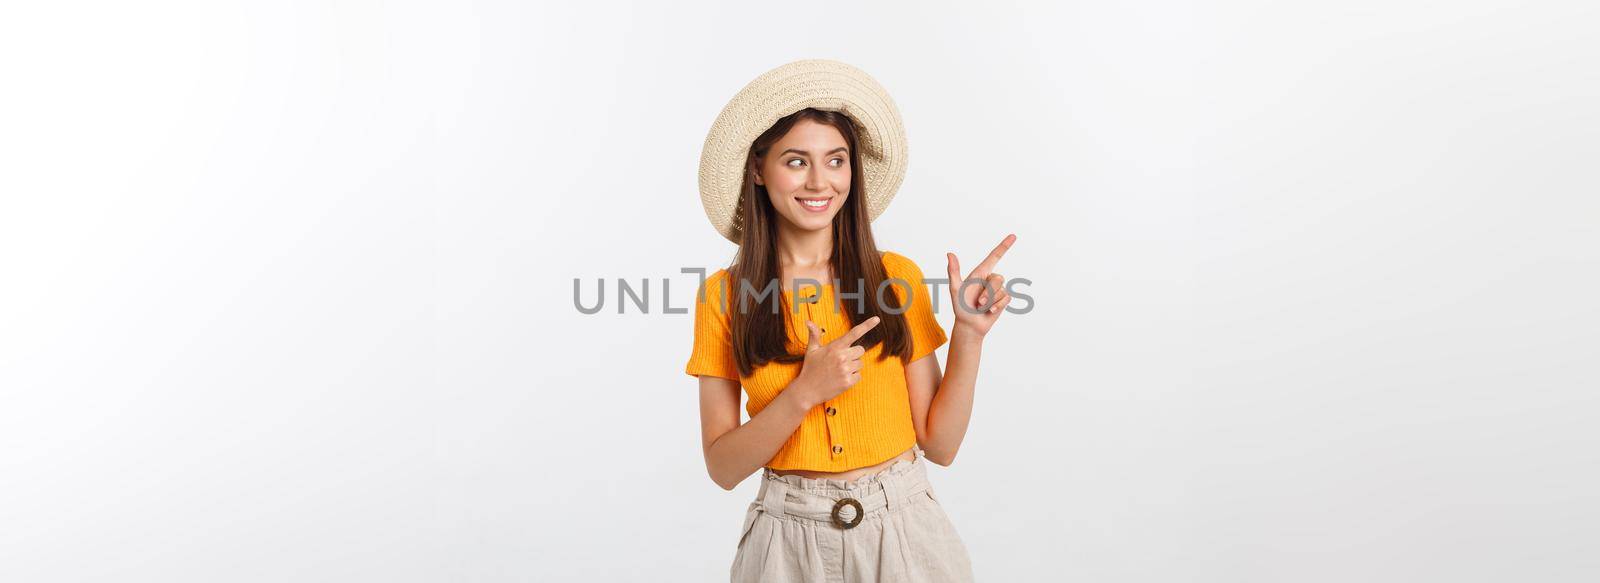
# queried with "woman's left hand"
point(980, 297)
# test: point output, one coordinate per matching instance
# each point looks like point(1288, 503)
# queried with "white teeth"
point(816, 203)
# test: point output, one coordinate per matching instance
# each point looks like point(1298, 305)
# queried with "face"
point(807, 175)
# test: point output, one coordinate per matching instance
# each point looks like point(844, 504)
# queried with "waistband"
point(816, 499)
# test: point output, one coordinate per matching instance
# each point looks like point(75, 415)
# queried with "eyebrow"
point(805, 153)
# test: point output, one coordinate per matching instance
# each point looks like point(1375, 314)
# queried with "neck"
point(804, 249)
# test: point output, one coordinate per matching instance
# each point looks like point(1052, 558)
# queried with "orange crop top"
point(866, 424)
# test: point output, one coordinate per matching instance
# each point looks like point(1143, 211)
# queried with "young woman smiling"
point(845, 394)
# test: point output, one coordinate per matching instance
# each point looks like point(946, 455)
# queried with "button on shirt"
point(866, 424)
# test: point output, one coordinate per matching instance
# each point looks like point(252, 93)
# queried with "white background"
point(286, 288)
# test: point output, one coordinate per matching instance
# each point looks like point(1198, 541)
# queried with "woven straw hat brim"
point(814, 83)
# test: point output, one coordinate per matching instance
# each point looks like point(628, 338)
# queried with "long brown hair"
point(756, 322)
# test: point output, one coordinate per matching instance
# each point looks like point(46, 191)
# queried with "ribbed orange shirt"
point(866, 424)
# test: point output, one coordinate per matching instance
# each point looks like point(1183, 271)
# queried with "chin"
point(809, 227)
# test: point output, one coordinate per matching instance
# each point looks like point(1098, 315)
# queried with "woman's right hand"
point(831, 368)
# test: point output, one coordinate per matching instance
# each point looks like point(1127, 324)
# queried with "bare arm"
point(941, 404)
point(735, 451)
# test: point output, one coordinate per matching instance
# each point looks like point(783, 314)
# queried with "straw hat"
point(815, 83)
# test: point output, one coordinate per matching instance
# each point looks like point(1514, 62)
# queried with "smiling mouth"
point(815, 204)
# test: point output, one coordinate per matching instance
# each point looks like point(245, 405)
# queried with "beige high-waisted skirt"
point(885, 527)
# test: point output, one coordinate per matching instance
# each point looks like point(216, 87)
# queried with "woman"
point(845, 394)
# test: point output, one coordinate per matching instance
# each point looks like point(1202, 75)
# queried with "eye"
point(792, 163)
point(837, 162)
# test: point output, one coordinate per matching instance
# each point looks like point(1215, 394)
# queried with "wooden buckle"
point(837, 506)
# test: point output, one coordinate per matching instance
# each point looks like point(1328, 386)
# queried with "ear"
point(755, 171)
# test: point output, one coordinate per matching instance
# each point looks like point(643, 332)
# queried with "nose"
point(814, 180)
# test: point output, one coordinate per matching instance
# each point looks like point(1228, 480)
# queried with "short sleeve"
point(926, 334)
point(713, 339)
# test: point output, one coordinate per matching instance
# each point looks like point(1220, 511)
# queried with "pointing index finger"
point(985, 268)
point(860, 330)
